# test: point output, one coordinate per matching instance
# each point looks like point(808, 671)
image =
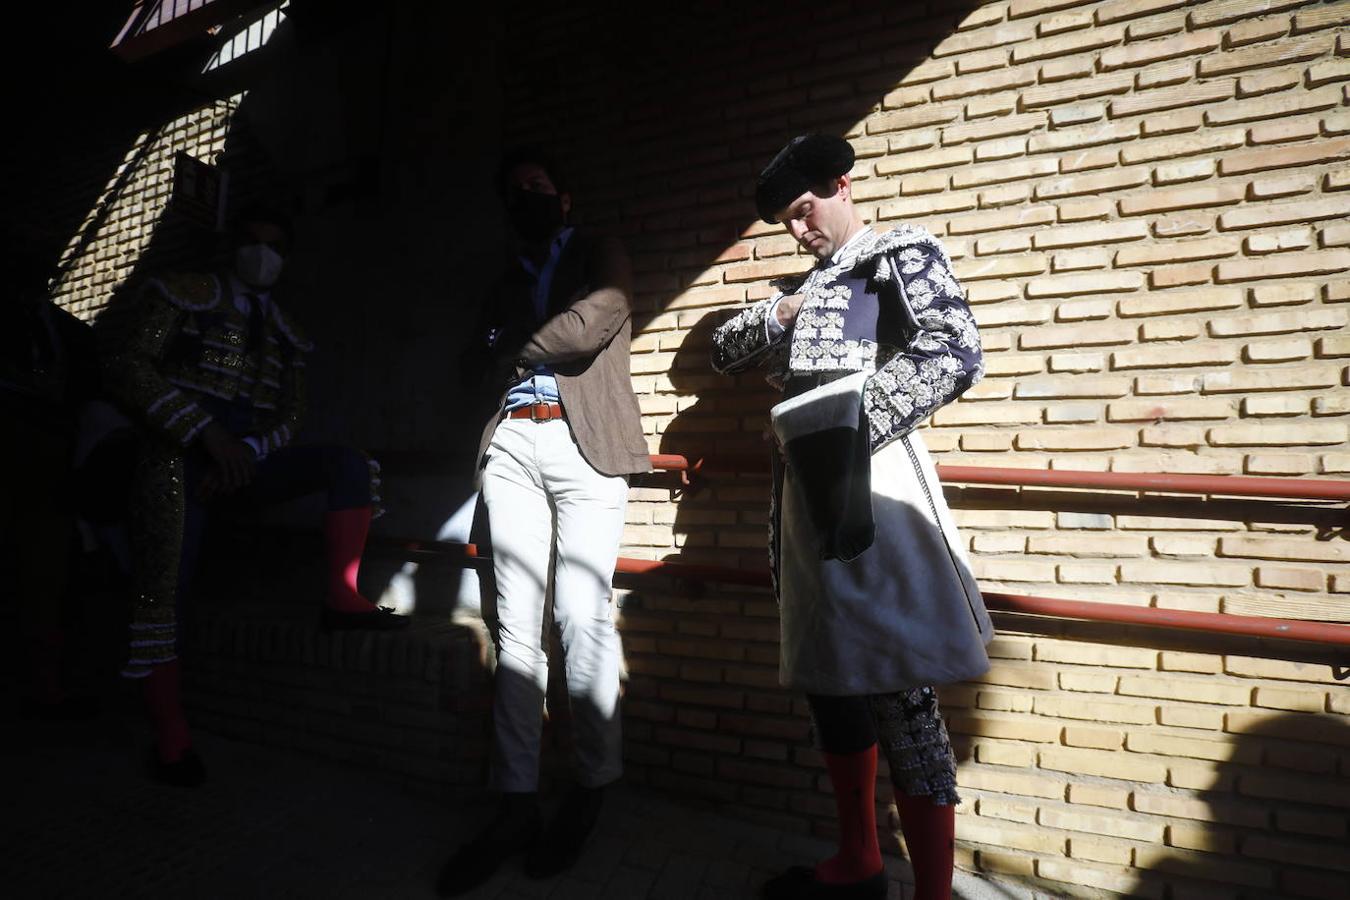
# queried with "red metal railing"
point(1213, 623)
point(730, 463)
point(1226, 485)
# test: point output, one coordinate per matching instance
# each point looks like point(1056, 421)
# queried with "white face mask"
point(258, 265)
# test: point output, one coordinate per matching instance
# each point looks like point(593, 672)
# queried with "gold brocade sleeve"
point(134, 378)
point(278, 429)
point(284, 362)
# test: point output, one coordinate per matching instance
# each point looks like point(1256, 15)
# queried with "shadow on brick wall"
point(79, 116)
point(1277, 798)
point(711, 423)
point(664, 119)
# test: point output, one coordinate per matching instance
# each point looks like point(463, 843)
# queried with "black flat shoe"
point(186, 771)
point(515, 829)
point(381, 618)
point(799, 883)
point(562, 843)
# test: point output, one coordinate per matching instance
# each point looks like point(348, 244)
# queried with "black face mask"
point(534, 216)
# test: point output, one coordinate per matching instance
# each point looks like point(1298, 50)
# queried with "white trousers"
point(544, 500)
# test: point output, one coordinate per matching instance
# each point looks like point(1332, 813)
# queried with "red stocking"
point(344, 532)
point(164, 702)
point(930, 835)
point(854, 778)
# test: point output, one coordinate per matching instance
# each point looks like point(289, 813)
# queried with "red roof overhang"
point(156, 25)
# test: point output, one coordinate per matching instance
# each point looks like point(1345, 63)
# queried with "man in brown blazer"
point(554, 465)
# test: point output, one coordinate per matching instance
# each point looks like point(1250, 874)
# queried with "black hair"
point(260, 214)
point(535, 154)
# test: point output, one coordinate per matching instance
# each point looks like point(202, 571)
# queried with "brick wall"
point(1146, 201)
point(414, 706)
point(118, 236)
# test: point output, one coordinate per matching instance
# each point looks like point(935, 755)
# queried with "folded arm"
point(751, 338)
point(591, 322)
point(941, 361)
point(279, 429)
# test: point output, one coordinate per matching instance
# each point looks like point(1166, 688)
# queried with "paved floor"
point(81, 821)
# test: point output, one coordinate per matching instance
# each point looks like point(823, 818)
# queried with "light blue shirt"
point(540, 386)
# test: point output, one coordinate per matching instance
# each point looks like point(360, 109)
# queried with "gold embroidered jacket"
point(191, 342)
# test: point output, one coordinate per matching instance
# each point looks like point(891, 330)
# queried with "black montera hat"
point(808, 160)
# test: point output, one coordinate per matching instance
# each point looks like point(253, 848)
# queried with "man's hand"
point(234, 461)
point(787, 310)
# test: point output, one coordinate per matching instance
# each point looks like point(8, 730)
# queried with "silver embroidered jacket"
point(933, 360)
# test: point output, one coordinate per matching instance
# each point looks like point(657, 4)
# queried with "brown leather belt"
point(537, 412)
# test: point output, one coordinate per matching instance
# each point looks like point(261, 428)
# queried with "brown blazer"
point(585, 339)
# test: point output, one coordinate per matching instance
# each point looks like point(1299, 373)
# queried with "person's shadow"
point(720, 519)
point(1271, 820)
